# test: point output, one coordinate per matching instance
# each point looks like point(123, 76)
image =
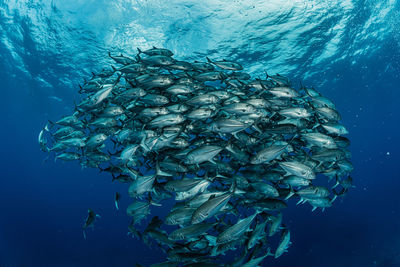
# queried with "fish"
point(275, 225)
point(212, 206)
point(156, 51)
point(335, 128)
point(181, 216)
point(190, 232)
point(89, 221)
point(236, 231)
point(121, 59)
point(283, 244)
point(42, 140)
point(96, 140)
point(117, 199)
point(202, 154)
point(268, 154)
point(227, 65)
point(319, 139)
point(298, 169)
point(257, 234)
point(101, 95)
point(225, 151)
point(141, 185)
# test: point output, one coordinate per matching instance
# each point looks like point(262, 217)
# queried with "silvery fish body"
point(228, 126)
point(298, 169)
point(236, 231)
point(210, 207)
point(101, 95)
point(202, 154)
point(335, 128)
point(227, 65)
point(319, 139)
point(141, 185)
point(166, 120)
point(267, 154)
point(190, 232)
point(180, 216)
point(96, 140)
point(284, 244)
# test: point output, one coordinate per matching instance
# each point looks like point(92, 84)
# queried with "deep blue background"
point(43, 206)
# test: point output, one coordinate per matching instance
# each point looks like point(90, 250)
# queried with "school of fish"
point(227, 150)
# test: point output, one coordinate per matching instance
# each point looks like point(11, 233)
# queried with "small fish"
point(90, 220)
point(284, 243)
point(117, 199)
point(42, 140)
point(227, 65)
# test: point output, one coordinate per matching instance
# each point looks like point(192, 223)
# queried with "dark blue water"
point(349, 52)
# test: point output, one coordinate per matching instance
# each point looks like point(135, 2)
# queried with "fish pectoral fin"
point(212, 161)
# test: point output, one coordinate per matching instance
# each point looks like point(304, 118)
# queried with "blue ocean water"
point(348, 50)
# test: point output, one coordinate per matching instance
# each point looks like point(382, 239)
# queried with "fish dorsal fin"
point(211, 197)
point(154, 47)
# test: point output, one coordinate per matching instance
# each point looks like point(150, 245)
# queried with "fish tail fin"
point(341, 193)
point(232, 189)
point(209, 60)
point(266, 74)
point(291, 193)
point(114, 142)
point(334, 198)
point(255, 126)
point(337, 182)
point(316, 125)
point(155, 203)
point(114, 68)
point(109, 54)
point(159, 172)
point(269, 253)
point(142, 143)
point(189, 75)
point(140, 51)
point(217, 175)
